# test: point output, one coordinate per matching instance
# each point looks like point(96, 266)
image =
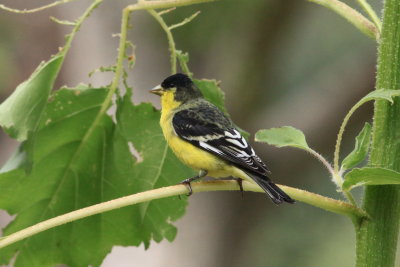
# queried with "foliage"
point(281, 137)
point(21, 112)
point(360, 150)
point(75, 155)
point(370, 176)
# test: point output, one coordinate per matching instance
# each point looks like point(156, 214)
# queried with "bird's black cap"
point(177, 80)
point(185, 88)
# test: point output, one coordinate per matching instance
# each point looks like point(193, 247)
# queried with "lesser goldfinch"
point(206, 140)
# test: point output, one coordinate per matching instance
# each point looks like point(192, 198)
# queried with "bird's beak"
point(158, 90)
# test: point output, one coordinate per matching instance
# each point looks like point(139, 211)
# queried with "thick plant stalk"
point(377, 238)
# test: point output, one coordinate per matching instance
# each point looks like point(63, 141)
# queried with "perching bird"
point(206, 140)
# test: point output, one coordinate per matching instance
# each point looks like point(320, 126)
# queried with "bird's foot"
point(187, 182)
point(240, 184)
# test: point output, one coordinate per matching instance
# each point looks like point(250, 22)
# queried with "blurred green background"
point(280, 62)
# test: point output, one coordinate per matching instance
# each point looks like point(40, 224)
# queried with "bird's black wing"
point(206, 127)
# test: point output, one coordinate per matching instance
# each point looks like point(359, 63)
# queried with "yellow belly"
point(195, 157)
point(189, 154)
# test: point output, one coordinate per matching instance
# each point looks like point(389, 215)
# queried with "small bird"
point(203, 138)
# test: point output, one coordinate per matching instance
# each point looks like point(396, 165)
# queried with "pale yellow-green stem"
point(352, 16)
point(25, 11)
point(171, 42)
point(329, 204)
point(371, 13)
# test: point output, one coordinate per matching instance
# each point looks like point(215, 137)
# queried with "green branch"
point(381, 94)
point(25, 11)
point(374, 95)
point(336, 206)
point(168, 31)
point(78, 23)
point(171, 42)
point(340, 135)
point(377, 238)
point(161, 4)
point(371, 13)
point(144, 5)
point(352, 16)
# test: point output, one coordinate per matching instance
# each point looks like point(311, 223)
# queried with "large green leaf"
point(284, 136)
point(360, 150)
point(156, 166)
point(370, 176)
point(20, 113)
point(72, 169)
point(67, 174)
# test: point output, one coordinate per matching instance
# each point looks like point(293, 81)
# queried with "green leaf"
point(360, 150)
point(20, 113)
point(284, 136)
point(156, 166)
point(370, 176)
point(67, 174)
point(72, 170)
point(381, 94)
point(212, 92)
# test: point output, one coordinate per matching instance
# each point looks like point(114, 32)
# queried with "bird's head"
point(179, 86)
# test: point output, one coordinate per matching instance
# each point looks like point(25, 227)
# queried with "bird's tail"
point(274, 192)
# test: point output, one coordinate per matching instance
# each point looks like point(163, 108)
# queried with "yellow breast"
point(189, 154)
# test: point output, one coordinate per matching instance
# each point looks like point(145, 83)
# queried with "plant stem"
point(25, 11)
point(171, 42)
point(341, 131)
point(336, 206)
point(377, 238)
point(78, 24)
point(371, 13)
point(322, 160)
point(158, 4)
point(350, 197)
point(64, 50)
point(168, 31)
point(352, 16)
point(336, 176)
point(184, 22)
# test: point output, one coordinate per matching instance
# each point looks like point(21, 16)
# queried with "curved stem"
point(350, 197)
point(340, 134)
point(77, 25)
point(336, 206)
point(25, 11)
point(171, 42)
point(327, 165)
point(352, 16)
point(157, 4)
point(371, 13)
point(113, 87)
point(336, 176)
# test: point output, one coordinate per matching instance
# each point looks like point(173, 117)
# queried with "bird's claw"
point(188, 186)
point(240, 183)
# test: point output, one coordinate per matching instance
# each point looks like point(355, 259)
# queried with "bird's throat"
point(168, 101)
